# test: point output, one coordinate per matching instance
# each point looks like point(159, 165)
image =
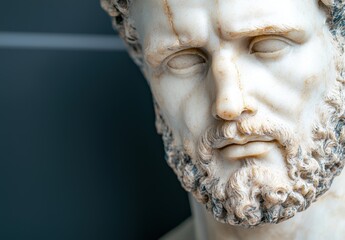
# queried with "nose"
point(231, 100)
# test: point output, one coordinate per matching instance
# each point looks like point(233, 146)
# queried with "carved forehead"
point(121, 12)
point(230, 16)
point(194, 20)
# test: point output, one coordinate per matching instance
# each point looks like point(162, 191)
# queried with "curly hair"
point(119, 12)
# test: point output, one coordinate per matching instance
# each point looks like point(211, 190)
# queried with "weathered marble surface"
point(249, 100)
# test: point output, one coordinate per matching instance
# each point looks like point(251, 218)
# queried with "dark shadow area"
point(63, 16)
point(80, 157)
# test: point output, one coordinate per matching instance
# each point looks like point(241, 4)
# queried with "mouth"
point(237, 149)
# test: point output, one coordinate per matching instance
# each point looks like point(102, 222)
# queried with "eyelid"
point(191, 51)
point(185, 52)
point(267, 37)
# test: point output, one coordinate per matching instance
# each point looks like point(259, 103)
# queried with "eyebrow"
point(264, 30)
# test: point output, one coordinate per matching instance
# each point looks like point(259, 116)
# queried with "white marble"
point(249, 100)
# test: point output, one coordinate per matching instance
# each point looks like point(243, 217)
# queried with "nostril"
point(217, 117)
point(248, 110)
point(250, 106)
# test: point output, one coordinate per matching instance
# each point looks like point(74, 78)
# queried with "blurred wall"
point(79, 154)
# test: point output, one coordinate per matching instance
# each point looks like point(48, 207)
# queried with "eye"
point(189, 61)
point(269, 46)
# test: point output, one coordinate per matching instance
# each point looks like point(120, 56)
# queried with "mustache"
point(240, 132)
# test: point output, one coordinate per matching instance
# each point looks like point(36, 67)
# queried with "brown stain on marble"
point(239, 83)
point(218, 24)
point(260, 31)
point(308, 83)
point(307, 87)
point(219, 29)
point(225, 77)
point(152, 59)
point(170, 17)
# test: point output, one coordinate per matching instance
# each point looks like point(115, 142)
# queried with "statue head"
point(248, 97)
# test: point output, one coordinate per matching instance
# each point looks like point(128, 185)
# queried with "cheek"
point(182, 103)
point(315, 86)
point(197, 111)
point(308, 72)
point(318, 74)
point(303, 66)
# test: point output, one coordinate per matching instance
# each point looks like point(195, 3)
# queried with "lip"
point(249, 149)
point(241, 141)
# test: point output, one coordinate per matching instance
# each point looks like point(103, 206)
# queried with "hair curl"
point(119, 13)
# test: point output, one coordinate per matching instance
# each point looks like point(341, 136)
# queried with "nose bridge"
point(229, 101)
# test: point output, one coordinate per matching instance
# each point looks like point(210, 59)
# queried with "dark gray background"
point(79, 154)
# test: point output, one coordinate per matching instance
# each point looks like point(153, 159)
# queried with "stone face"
point(249, 100)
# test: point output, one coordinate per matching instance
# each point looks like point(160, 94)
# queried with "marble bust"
point(249, 99)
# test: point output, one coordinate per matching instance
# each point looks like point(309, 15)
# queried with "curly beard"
point(255, 194)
